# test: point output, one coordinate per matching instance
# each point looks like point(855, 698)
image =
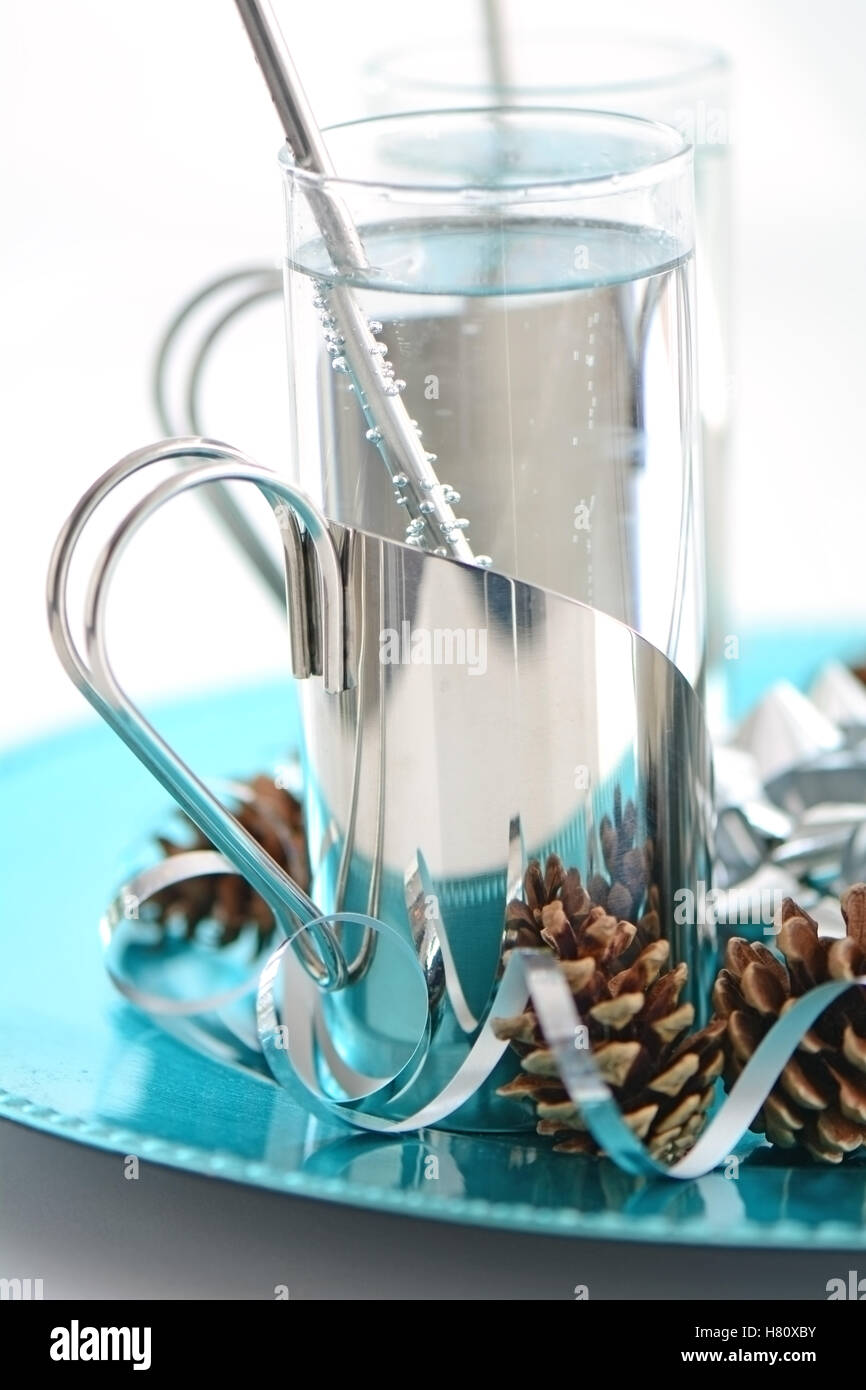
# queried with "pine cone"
point(628, 998)
point(819, 1101)
point(274, 817)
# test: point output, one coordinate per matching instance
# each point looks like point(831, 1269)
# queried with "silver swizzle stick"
point(432, 522)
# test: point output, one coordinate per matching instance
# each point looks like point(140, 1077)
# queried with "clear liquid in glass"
point(548, 364)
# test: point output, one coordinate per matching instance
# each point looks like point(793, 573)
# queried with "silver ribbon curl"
point(528, 975)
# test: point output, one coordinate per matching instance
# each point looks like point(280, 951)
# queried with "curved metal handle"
point(243, 289)
point(95, 677)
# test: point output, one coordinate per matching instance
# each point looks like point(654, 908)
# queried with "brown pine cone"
point(819, 1101)
point(628, 999)
point(274, 817)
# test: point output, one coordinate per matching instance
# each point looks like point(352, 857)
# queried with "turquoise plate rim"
point(515, 1216)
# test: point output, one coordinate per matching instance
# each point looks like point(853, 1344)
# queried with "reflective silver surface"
point(570, 721)
point(468, 722)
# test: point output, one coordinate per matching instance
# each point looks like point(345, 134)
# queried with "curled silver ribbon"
point(289, 1052)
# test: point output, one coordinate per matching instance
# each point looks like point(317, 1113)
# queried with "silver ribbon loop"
point(291, 1049)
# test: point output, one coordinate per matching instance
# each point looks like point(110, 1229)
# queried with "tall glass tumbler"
point(531, 281)
point(532, 58)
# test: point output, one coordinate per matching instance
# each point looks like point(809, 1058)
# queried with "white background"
point(138, 158)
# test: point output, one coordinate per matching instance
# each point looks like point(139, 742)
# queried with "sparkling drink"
point(548, 364)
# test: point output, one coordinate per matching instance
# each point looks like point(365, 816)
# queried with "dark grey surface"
point(69, 1217)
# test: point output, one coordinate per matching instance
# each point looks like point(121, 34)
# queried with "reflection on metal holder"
point(464, 722)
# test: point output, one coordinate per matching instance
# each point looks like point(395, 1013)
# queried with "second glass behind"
point(533, 290)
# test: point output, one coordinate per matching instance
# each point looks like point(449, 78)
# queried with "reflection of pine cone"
point(819, 1101)
point(275, 819)
point(558, 907)
point(628, 865)
point(622, 894)
point(629, 1001)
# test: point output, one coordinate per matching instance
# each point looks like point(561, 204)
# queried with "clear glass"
point(533, 59)
point(531, 280)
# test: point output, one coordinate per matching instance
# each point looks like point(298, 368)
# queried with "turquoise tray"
point(78, 1062)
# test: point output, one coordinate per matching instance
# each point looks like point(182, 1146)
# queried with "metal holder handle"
point(317, 608)
point(204, 317)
